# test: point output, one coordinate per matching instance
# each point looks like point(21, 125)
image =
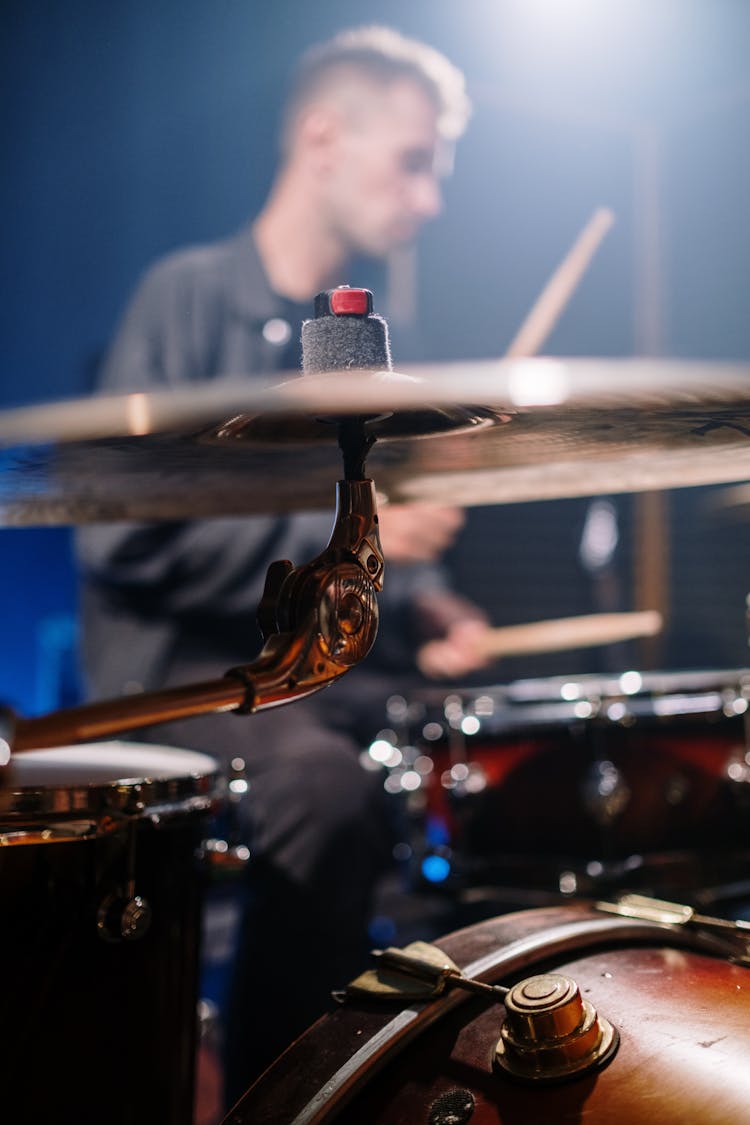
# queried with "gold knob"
point(551, 1032)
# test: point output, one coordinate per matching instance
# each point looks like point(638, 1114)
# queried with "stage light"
point(435, 868)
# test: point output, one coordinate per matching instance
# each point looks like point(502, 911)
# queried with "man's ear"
point(319, 130)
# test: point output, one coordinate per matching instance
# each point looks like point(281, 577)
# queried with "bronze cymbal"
point(548, 428)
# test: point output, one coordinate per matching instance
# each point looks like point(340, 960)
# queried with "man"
point(367, 131)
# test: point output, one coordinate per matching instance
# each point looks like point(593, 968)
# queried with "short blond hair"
point(381, 55)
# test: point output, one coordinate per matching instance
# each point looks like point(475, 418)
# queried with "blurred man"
point(366, 134)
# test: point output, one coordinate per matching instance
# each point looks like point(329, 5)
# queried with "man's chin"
point(395, 240)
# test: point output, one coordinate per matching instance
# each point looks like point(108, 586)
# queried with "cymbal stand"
point(317, 620)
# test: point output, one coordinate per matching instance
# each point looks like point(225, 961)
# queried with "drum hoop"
point(652, 683)
point(534, 704)
point(412, 1021)
point(132, 798)
point(67, 831)
point(103, 804)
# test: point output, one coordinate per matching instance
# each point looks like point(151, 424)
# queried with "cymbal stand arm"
point(317, 620)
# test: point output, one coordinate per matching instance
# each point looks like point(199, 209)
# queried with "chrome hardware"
point(124, 916)
point(605, 792)
point(551, 1032)
point(732, 936)
point(120, 918)
point(419, 971)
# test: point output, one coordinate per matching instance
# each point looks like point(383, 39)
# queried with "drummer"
point(367, 132)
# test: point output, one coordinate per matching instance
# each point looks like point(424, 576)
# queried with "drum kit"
point(100, 882)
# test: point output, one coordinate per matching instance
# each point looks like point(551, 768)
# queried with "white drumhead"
point(103, 763)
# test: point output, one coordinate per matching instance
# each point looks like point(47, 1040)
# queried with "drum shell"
point(542, 793)
point(101, 1029)
point(683, 1018)
point(665, 770)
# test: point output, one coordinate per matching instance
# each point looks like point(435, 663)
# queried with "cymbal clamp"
point(320, 619)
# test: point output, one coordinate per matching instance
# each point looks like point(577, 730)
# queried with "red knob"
point(350, 302)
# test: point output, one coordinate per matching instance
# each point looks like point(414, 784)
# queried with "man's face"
point(382, 178)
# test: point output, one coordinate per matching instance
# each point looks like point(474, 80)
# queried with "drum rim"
point(103, 805)
point(652, 683)
point(529, 704)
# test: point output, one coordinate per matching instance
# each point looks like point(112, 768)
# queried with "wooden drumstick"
point(570, 633)
point(550, 303)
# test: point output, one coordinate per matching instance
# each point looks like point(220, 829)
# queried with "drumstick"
point(550, 303)
point(571, 633)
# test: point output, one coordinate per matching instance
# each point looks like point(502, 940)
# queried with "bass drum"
point(100, 932)
point(682, 1016)
point(578, 784)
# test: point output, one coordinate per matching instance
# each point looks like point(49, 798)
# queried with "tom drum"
point(100, 931)
point(563, 784)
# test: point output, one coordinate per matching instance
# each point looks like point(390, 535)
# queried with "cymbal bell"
point(548, 429)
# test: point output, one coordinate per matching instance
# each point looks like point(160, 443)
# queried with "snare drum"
point(677, 1021)
point(548, 780)
point(100, 931)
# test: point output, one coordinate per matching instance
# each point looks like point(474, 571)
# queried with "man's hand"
point(417, 532)
point(463, 649)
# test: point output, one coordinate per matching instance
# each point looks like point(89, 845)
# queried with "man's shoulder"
point(202, 266)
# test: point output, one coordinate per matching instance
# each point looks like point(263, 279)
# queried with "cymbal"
point(547, 429)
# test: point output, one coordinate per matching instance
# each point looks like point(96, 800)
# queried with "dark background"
point(132, 128)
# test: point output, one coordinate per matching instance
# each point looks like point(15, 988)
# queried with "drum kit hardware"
point(98, 843)
point(550, 1032)
point(736, 933)
point(318, 620)
point(427, 964)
